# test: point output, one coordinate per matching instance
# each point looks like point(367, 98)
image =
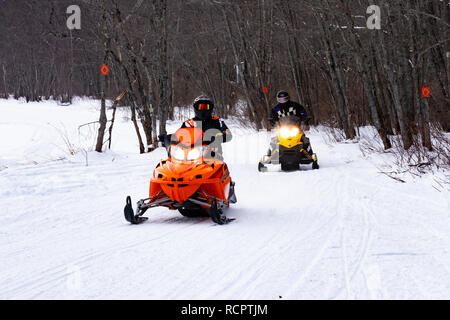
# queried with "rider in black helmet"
point(285, 108)
point(214, 128)
point(203, 109)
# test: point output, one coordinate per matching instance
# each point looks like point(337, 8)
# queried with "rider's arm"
point(227, 136)
point(273, 118)
point(301, 111)
point(166, 139)
point(274, 115)
point(184, 125)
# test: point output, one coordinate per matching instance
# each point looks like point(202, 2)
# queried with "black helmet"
point(283, 97)
point(203, 107)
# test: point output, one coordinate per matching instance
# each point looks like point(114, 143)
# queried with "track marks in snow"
point(353, 263)
point(330, 227)
point(344, 231)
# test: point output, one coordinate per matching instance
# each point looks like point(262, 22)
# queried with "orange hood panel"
point(180, 180)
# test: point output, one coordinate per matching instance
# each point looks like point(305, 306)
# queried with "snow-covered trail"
point(344, 231)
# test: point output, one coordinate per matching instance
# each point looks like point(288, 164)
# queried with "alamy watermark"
point(374, 21)
point(74, 20)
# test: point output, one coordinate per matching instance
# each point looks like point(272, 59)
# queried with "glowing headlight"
point(196, 153)
point(285, 132)
point(294, 132)
point(177, 153)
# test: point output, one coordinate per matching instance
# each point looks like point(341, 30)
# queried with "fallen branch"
point(420, 165)
point(392, 177)
point(86, 124)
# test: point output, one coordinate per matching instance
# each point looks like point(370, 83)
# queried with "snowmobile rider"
point(286, 108)
point(215, 129)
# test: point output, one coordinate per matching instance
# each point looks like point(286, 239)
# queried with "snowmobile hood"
point(179, 180)
point(173, 169)
point(290, 133)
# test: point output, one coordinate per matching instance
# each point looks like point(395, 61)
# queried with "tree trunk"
point(163, 72)
point(103, 119)
point(102, 80)
point(4, 82)
point(136, 126)
point(395, 93)
point(240, 71)
point(113, 118)
point(153, 141)
point(339, 87)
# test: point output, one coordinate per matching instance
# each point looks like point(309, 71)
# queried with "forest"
point(350, 63)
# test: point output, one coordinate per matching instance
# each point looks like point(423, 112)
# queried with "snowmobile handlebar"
point(213, 138)
point(168, 139)
point(165, 139)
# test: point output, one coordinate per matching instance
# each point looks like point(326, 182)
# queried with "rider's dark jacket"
point(214, 124)
point(215, 131)
point(289, 108)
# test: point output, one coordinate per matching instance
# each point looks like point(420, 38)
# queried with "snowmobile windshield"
point(289, 121)
point(189, 145)
point(189, 137)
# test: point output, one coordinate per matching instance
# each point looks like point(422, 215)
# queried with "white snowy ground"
point(342, 232)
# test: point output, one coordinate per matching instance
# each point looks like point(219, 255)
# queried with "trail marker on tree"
point(426, 91)
point(104, 69)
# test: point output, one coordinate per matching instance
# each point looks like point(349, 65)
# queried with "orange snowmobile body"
point(179, 181)
point(190, 178)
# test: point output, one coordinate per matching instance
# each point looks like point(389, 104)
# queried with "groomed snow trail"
point(342, 232)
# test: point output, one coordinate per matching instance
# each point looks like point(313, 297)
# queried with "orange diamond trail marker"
point(104, 69)
point(426, 91)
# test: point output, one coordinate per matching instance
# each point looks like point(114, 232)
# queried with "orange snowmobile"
point(191, 181)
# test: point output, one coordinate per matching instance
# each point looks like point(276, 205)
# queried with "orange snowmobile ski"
point(192, 180)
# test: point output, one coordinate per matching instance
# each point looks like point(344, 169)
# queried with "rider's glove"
point(162, 137)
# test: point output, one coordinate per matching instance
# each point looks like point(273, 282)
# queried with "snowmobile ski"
point(130, 216)
point(217, 215)
point(262, 167)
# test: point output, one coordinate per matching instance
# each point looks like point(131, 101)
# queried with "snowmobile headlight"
point(177, 153)
point(285, 132)
point(294, 132)
point(196, 153)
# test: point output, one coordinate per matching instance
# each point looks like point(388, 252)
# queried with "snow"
point(345, 231)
